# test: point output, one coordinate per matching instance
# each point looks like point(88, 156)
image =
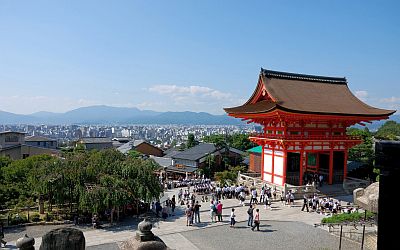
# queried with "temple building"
point(304, 120)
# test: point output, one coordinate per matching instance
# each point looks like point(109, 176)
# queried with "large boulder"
point(63, 239)
point(368, 197)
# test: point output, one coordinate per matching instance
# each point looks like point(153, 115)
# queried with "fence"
point(254, 179)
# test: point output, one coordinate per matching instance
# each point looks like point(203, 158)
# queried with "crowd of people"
point(195, 193)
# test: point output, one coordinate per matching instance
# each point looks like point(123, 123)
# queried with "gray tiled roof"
point(124, 148)
point(197, 152)
point(162, 161)
point(88, 140)
point(38, 138)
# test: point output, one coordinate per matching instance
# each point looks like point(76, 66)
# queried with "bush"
point(18, 219)
point(338, 218)
point(35, 217)
point(49, 217)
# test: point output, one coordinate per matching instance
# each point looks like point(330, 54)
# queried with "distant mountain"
point(117, 115)
point(374, 126)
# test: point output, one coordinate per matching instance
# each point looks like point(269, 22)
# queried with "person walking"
point(250, 213)
point(256, 220)
point(219, 211)
point(305, 203)
point(173, 204)
point(197, 212)
point(233, 221)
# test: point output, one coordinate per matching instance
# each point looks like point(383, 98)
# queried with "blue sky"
point(189, 55)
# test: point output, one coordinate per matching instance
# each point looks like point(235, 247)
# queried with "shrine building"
point(304, 120)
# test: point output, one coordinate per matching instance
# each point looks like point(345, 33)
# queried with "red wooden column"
point(284, 165)
point(346, 153)
point(273, 163)
point(301, 168)
point(262, 161)
point(331, 166)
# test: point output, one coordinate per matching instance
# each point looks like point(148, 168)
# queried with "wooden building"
point(255, 159)
point(304, 119)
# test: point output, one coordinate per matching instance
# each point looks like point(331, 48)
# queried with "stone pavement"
point(173, 230)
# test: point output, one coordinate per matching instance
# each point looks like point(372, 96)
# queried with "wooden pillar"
point(317, 162)
point(284, 166)
point(346, 152)
point(301, 168)
point(262, 161)
point(330, 167)
point(273, 164)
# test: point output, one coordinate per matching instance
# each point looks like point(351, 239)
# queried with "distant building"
point(40, 141)
point(255, 159)
point(141, 146)
point(197, 156)
point(13, 145)
point(97, 143)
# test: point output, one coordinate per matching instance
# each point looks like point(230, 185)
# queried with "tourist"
point(282, 197)
point(2, 234)
point(274, 193)
point(262, 195)
point(305, 203)
point(250, 213)
point(267, 202)
point(219, 211)
point(213, 211)
point(164, 212)
point(253, 196)
point(173, 204)
point(197, 212)
point(188, 213)
point(233, 221)
point(321, 179)
point(242, 198)
point(95, 221)
point(256, 220)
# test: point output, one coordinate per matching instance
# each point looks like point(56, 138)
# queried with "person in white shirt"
point(233, 221)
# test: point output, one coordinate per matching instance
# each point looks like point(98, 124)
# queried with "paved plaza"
point(281, 228)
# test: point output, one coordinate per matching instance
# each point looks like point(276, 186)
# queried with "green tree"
point(363, 152)
point(191, 141)
point(389, 131)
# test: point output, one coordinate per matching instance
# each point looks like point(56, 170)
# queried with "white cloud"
point(182, 91)
point(193, 98)
point(362, 94)
point(390, 100)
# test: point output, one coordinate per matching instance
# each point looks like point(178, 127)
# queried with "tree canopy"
point(389, 131)
point(237, 140)
point(95, 180)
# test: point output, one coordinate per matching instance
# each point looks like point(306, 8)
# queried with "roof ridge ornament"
point(304, 77)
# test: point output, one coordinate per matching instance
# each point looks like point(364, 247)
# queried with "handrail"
point(306, 137)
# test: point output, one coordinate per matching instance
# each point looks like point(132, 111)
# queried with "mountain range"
point(117, 115)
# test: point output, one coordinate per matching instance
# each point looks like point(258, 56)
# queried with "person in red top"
point(256, 220)
point(219, 211)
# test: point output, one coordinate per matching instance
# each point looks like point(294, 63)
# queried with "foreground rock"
point(367, 198)
point(144, 240)
point(63, 239)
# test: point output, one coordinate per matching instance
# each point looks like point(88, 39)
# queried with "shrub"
point(35, 217)
point(17, 219)
point(338, 218)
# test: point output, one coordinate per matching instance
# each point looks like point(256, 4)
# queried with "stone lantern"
point(144, 231)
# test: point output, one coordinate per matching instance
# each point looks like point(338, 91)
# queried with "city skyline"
point(187, 56)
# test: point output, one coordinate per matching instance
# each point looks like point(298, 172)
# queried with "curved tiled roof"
point(301, 93)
